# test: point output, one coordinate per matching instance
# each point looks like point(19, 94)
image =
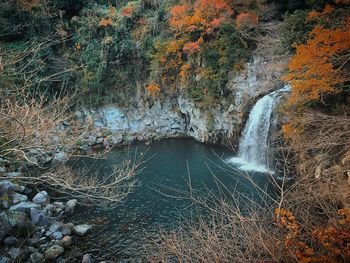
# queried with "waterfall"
point(254, 143)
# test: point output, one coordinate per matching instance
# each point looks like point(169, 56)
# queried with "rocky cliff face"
point(159, 120)
point(178, 117)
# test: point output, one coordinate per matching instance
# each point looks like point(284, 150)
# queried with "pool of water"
point(159, 201)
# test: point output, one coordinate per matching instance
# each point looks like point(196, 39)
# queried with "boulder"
point(11, 241)
point(38, 217)
point(15, 253)
point(60, 158)
point(67, 229)
point(41, 198)
point(59, 205)
point(87, 258)
point(4, 259)
point(6, 186)
point(54, 252)
point(17, 198)
point(50, 208)
point(57, 235)
point(13, 174)
point(55, 227)
point(23, 206)
point(81, 230)
point(36, 257)
point(5, 226)
point(18, 219)
point(70, 205)
point(66, 241)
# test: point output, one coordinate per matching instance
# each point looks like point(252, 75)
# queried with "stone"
point(23, 206)
point(60, 158)
point(43, 247)
point(87, 258)
point(38, 217)
point(66, 241)
point(81, 230)
point(55, 140)
point(32, 249)
point(36, 257)
point(68, 225)
point(57, 235)
point(4, 259)
point(13, 174)
point(2, 169)
point(6, 186)
point(55, 227)
point(18, 219)
point(48, 233)
point(60, 260)
point(54, 252)
point(41, 198)
point(70, 205)
point(66, 231)
point(59, 204)
point(50, 208)
point(11, 241)
point(15, 253)
point(5, 226)
point(4, 161)
point(17, 198)
point(32, 242)
point(27, 191)
point(99, 140)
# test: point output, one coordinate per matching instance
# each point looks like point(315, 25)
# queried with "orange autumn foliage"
point(106, 22)
point(193, 47)
point(313, 71)
point(203, 16)
point(128, 11)
point(246, 20)
point(153, 89)
point(329, 244)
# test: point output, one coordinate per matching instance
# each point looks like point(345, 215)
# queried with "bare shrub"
point(89, 189)
point(226, 227)
point(248, 232)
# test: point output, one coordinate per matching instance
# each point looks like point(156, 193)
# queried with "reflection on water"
point(159, 202)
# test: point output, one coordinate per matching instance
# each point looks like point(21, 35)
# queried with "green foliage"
point(220, 58)
point(295, 29)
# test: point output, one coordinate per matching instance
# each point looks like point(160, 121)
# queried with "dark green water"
point(120, 233)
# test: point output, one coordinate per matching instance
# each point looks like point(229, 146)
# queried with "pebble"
point(17, 198)
point(81, 230)
point(87, 258)
point(15, 253)
point(54, 252)
point(41, 198)
point(70, 205)
point(11, 241)
point(55, 227)
point(66, 241)
point(36, 257)
point(57, 235)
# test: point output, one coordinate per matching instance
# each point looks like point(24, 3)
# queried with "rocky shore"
point(33, 228)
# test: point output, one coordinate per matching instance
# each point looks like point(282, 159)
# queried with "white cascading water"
point(254, 146)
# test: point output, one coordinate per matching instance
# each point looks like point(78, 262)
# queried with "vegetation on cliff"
point(58, 54)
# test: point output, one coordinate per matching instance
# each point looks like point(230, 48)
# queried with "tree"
point(198, 21)
point(318, 68)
